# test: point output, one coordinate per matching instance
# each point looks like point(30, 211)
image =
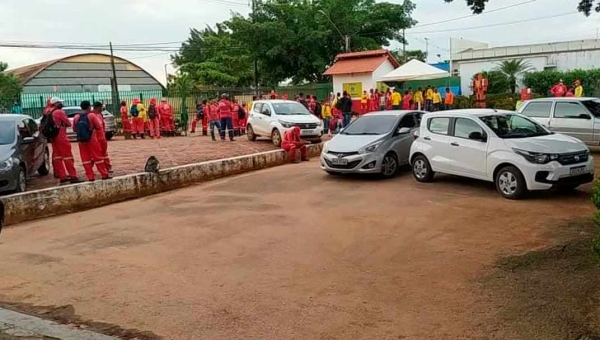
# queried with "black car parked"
point(23, 152)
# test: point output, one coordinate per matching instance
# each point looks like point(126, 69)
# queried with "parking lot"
point(129, 156)
point(292, 253)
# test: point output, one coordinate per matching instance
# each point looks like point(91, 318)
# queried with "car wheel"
point(109, 135)
point(389, 165)
point(44, 169)
point(421, 169)
point(510, 183)
point(276, 138)
point(250, 133)
point(21, 181)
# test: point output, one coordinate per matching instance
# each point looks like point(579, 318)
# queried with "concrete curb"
point(71, 198)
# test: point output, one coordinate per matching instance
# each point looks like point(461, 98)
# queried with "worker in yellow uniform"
point(396, 99)
point(578, 89)
point(429, 98)
point(364, 102)
point(326, 115)
point(418, 99)
point(437, 100)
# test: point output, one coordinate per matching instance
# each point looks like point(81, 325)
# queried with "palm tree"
point(512, 69)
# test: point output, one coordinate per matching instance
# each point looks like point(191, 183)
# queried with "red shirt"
point(100, 133)
point(95, 125)
point(225, 108)
point(213, 112)
point(61, 120)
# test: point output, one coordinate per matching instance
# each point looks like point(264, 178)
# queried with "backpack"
point(84, 131)
point(134, 111)
point(241, 113)
point(200, 112)
point(48, 126)
point(151, 111)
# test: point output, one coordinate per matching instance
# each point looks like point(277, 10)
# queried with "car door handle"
point(454, 144)
point(426, 138)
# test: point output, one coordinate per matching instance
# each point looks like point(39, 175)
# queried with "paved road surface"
point(284, 253)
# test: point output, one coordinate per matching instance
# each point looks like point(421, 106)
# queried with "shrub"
point(596, 201)
point(462, 102)
point(540, 82)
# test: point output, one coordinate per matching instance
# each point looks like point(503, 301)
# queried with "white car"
point(576, 117)
point(272, 118)
point(504, 147)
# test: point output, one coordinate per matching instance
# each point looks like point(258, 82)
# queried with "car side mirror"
point(28, 140)
point(266, 112)
point(476, 135)
point(403, 131)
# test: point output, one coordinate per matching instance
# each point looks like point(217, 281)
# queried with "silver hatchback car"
point(378, 143)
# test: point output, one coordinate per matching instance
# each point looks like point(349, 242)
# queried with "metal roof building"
point(84, 73)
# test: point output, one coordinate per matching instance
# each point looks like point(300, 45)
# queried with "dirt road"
point(287, 253)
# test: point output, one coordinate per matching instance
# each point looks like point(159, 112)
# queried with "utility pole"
point(426, 49)
point(256, 89)
point(115, 97)
point(404, 44)
point(346, 37)
point(166, 75)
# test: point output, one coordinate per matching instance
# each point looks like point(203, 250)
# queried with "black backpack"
point(48, 126)
point(241, 113)
point(134, 111)
point(84, 130)
point(152, 112)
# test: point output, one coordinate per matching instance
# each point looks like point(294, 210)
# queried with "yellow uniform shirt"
point(418, 97)
point(437, 98)
point(429, 94)
point(142, 111)
point(326, 112)
point(364, 99)
point(396, 98)
point(579, 91)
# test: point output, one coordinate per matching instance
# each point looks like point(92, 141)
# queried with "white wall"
point(368, 80)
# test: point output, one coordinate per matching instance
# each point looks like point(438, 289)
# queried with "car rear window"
point(439, 125)
point(537, 109)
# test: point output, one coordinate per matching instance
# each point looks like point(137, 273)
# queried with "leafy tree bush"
point(540, 82)
point(498, 82)
point(10, 88)
point(596, 201)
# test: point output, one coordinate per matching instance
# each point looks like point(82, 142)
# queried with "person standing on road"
point(301, 100)
point(138, 114)
point(578, 89)
point(364, 102)
point(449, 100)
point(345, 105)
point(86, 125)
point(396, 99)
point(235, 117)
point(62, 155)
point(153, 119)
point(326, 114)
point(125, 122)
point(101, 135)
point(429, 98)
point(292, 142)
point(382, 101)
point(243, 114)
point(559, 90)
point(418, 99)
point(199, 115)
point(225, 114)
point(214, 119)
point(406, 101)
point(437, 100)
point(165, 112)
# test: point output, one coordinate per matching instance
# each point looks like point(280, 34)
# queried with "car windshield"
point(7, 132)
point(291, 108)
point(514, 126)
point(593, 106)
point(371, 125)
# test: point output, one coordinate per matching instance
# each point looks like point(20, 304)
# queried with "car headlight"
point(6, 165)
point(369, 148)
point(535, 157)
point(325, 147)
point(286, 125)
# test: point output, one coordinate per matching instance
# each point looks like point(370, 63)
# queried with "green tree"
point(497, 82)
point(410, 55)
point(10, 88)
point(584, 6)
point(512, 69)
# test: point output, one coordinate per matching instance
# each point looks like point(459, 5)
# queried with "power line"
point(475, 15)
point(493, 25)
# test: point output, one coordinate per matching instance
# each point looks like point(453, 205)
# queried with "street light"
point(345, 37)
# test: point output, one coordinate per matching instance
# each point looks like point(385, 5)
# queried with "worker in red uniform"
point(235, 108)
point(292, 142)
point(86, 125)
point(374, 101)
point(165, 111)
point(62, 155)
point(125, 120)
point(153, 119)
point(243, 119)
point(101, 135)
point(198, 116)
point(214, 119)
point(559, 89)
point(285, 96)
point(225, 113)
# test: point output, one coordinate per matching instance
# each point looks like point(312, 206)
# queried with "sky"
point(162, 21)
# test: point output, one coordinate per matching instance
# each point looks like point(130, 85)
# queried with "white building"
point(561, 56)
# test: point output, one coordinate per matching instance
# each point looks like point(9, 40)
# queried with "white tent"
point(415, 70)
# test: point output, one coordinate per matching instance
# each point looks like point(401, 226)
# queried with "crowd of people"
point(228, 117)
point(157, 118)
point(561, 90)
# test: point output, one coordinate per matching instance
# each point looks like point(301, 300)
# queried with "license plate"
point(580, 170)
point(339, 161)
point(306, 132)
